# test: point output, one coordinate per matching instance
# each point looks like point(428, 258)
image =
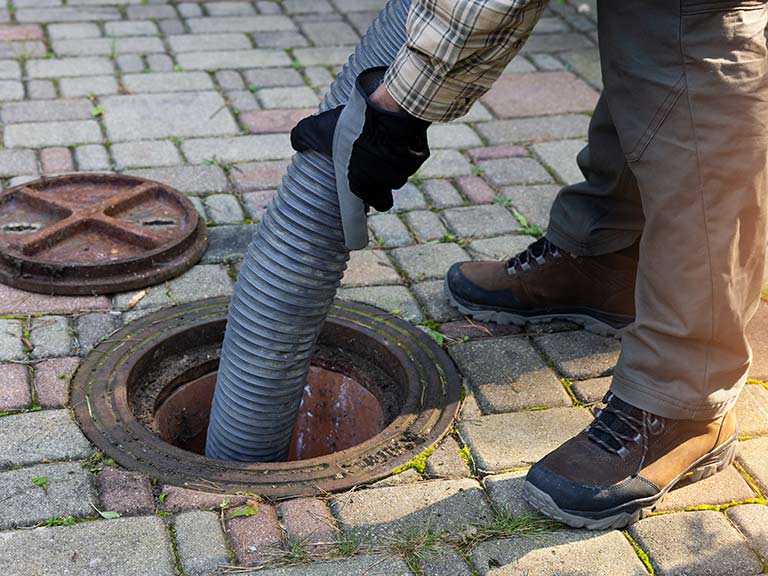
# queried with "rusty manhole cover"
point(143, 397)
point(96, 234)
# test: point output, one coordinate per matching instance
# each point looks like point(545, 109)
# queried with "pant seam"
point(589, 248)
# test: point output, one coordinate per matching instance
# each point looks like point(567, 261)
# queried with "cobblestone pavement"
point(202, 96)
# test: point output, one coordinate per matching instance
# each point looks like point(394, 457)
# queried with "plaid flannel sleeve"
point(455, 51)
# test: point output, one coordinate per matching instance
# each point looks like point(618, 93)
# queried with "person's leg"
point(687, 86)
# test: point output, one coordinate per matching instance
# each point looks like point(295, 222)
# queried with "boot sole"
point(715, 461)
point(590, 320)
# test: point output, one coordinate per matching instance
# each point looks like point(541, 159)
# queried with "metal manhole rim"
point(135, 447)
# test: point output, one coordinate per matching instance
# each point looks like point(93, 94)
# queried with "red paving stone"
point(254, 537)
point(261, 175)
point(475, 189)
point(56, 160)
point(309, 521)
point(273, 121)
point(15, 392)
point(257, 202)
point(20, 33)
point(125, 492)
point(52, 381)
point(493, 152)
point(540, 93)
point(18, 302)
point(179, 499)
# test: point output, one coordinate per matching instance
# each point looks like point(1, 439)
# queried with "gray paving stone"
point(581, 553)
point(480, 221)
point(307, 7)
point(452, 136)
point(389, 230)
point(722, 488)
point(586, 63)
point(426, 261)
point(534, 129)
point(546, 62)
point(499, 248)
point(67, 14)
point(694, 543)
point(389, 298)
point(145, 154)
point(228, 243)
point(557, 43)
point(592, 390)
point(508, 375)
point(9, 70)
point(257, 147)
point(230, 80)
point(43, 134)
point(533, 202)
point(91, 328)
point(46, 111)
point(92, 157)
point(57, 68)
point(131, 28)
point(294, 97)
point(345, 6)
point(506, 492)
point(752, 520)
point(255, 58)
point(752, 456)
point(445, 164)
point(41, 90)
point(318, 76)
point(200, 543)
point(445, 562)
point(11, 347)
point(122, 547)
point(108, 46)
point(369, 267)
point(240, 24)
point(514, 171)
point(23, 503)
point(242, 101)
point(323, 55)
point(273, 77)
point(75, 30)
point(11, 90)
point(50, 336)
point(580, 355)
point(560, 156)
point(167, 82)
point(150, 116)
point(355, 566)
point(14, 162)
point(187, 179)
point(431, 296)
point(506, 441)
point(408, 197)
point(160, 63)
point(426, 225)
point(223, 209)
point(330, 33)
point(752, 410)
point(518, 66)
point(205, 42)
point(379, 514)
point(284, 39)
point(33, 437)
point(89, 86)
point(230, 9)
point(445, 462)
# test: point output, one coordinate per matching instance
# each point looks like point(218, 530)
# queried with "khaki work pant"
point(677, 155)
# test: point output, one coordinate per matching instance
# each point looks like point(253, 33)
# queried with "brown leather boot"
point(544, 283)
point(624, 463)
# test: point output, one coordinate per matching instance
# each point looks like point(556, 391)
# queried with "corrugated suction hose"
point(286, 285)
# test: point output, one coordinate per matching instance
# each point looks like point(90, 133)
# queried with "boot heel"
point(716, 462)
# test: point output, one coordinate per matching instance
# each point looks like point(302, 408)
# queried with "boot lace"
point(536, 252)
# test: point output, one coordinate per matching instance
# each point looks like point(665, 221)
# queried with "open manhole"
point(96, 234)
point(380, 393)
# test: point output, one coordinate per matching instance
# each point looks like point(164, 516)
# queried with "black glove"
point(374, 152)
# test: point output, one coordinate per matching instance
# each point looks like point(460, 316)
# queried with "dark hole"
point(20, 227)
point(159, 222)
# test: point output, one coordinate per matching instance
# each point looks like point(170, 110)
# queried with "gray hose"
point(286, 285)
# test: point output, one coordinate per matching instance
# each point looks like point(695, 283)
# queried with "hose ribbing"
point(286, 285)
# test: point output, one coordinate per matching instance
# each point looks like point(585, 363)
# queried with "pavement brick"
point(15, 162)
point(228, 24)
point(369, 267)
point(160, 63)
point(178, 499)
point(540, 93)
point(260, 175)
point(514, 171)
point(256, 203)
point(506, 441)
point(592, 390)
point(150, 12)
point(559, 552)
point(752, 520)
point(254, 536)
point(323, 55)
point(145, 154)
point(205, 42)
point(546, 62)
point(501, 247)
point(557, 43)
point(307, 7)
point(355, 566)
point(309, 521)
point(445, 164)
point(223, 209)
point(426, 225)
point(445, 561)
point(21, 32)
point(723, 488)
point(11, 347)
point(200, 543)
point(506, 492)
point(74, 30)
point(230, 80)
point(586, 63)
point(15, 393)
point(479, 221)
point(11, 90)
point(540, 128)
point(694, 543)
point(52, 378)
point(293, 97)
point(190, 179)
point(560, 156)
point(33, 437)
point(242, 101)
point(198, 283)
point(92, 157)
point(238, 148)
point(131, 28)
point(225, 60)
point(283, 39)
point(533, 202)
point(125, 492)
point(476, 189)
point(41, 89)
point(92, 327)
point(408, 197)
point(42, 134)
point(167, 82)
point(499, 151)
point(752, 456)
point(62, 67)
point(329, 33)
point(90, 86)
point(379, 514)
point(508, 375)
point(67, 14)
point(392, 299)
point(56, 160)
point(154, 116)
point(122, 547)
point(9, 69)
point(271, 77)
point(228, 243)
point(445, 461)
point(428, 261)
point(441, 194)
point(389, 230)
point(452, 136)
point(752, 410)
point(580, 355)
point(431, 296)
point(69, 493)
point(46, 111)
point(108, 46)
point(273, 121)
point(50, 336)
